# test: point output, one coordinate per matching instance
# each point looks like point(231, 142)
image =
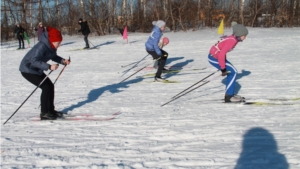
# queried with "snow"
point(194, 131)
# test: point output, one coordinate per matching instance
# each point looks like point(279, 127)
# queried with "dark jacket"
point(19, 31)
point(39, 30)
point(35, 61)
point(84, 28)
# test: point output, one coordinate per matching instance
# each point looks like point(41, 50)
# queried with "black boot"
point(58, 114)
point(48, 116)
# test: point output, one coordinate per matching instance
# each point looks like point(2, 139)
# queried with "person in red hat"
point(34, 64)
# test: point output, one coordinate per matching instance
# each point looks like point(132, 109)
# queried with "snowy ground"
point(194, 131)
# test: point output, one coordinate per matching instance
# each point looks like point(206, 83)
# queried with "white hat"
point(159, 23)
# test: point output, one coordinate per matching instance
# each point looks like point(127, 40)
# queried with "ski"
point(257, 103)
point(81, 117)
point(167, 81)
point(174, 71)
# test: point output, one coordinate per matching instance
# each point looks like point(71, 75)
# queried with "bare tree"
point(82, 9)
point(241, 10)
point(172, 16)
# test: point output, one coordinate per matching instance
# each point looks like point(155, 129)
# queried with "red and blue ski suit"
point(217, 58)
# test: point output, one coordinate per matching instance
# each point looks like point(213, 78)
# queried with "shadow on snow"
point(260, 151)
point(94, 94)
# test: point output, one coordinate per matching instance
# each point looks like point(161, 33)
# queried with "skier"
point(84, 28)
point(153, 49)
point(35, 62)
point(19, 31)
point(40, 29)
point(217, 58)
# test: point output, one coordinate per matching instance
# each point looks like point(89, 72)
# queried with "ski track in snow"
point(194, 131)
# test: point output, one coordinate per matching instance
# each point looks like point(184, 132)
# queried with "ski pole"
point(137, 71)
point(134, 73)
point(135, 65)
point(195, 84)
point(61, 71)
point(189, 91)
point(92, 44)
point(28, 96)
point(129, 64)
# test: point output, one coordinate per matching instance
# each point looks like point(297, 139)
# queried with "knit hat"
point(54, 35)
point(17, 23)
point(40, 23)
point(233, 23)
point(80, 19)
point(239, 30)
point(159, 23)
point(166, 40)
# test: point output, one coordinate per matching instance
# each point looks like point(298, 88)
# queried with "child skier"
point(35, 62)
point(217, 58)
point(153, 49)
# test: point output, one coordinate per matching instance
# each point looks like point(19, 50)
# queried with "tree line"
point(107, 16)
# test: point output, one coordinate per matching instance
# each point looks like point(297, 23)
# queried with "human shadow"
point(238, 87)
point(178, 66)
point(106, 43)
point(260, 151)
point(94, 94)
point(68, 43)
point(172, 59)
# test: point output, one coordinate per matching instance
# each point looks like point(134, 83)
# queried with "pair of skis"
point(81, 117)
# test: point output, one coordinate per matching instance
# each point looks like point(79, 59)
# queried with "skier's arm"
point(157, 36)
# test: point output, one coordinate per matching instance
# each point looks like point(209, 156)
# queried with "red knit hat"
point(54, 35)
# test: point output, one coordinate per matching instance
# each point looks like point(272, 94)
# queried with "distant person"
point(121, 30)
point(34, 64)
point(217, 58)
point(40, 29)
point(153, 49)
point(85, 30)
point(19, 31)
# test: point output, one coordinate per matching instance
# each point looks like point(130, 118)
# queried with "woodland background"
point(108, 16)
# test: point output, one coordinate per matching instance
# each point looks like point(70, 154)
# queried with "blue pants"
point(231, 77)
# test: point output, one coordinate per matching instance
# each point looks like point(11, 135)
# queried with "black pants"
point(161, 61)
point(47, 96)
point(21, 39)
point(86, 40)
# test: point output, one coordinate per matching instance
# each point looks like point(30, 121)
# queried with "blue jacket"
point(35, 61)
point(152, 43)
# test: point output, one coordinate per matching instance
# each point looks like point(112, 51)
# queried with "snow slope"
point(194, 131)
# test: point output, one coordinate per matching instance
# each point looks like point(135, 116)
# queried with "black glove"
point(224, 72)
point(79, 30)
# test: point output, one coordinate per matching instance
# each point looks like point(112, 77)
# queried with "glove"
point(224, 72)
point(79, 30)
